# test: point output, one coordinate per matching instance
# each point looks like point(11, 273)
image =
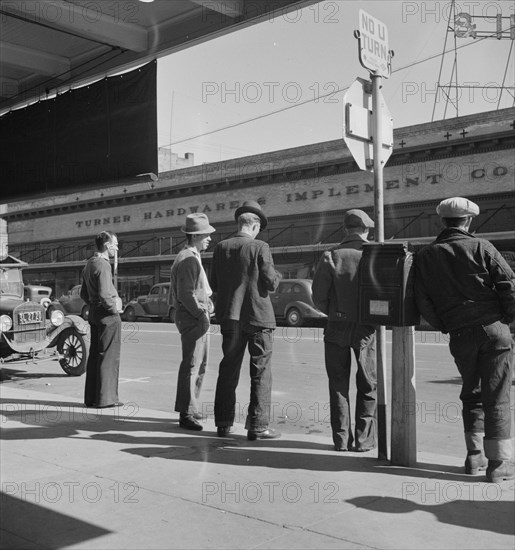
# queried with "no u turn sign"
point(373, 44)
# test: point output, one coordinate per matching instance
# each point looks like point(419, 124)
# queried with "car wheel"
point(85, 313)
point(171, 315)
point(130, 315)
point(294, 317)
point(71, 344)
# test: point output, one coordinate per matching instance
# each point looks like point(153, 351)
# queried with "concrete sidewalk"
point(131, 478)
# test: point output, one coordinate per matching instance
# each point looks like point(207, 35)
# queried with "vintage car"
point(153, 305)
point(38, 293)
point(28, 330)
point(71, 302)
point(293, 302)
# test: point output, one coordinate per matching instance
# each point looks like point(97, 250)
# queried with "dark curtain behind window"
point(88, 136)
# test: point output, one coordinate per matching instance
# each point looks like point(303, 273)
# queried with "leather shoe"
point(117, 404)
point(363, 449)
point(269, 433)
point(224, 431)
point(189, 423)
point(475, 462)
point(499, 470)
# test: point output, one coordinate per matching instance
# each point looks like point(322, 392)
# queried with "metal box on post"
point(386, 295)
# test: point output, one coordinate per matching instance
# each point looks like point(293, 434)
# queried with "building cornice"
point(342, 163)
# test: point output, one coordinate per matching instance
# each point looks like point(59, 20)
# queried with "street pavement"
point(131, 478)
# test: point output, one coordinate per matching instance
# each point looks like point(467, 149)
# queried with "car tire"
point(130, 315)
point(85, 312)
point(72, 345)
point(294, 317)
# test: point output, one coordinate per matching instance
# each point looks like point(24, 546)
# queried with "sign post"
point(369, 137)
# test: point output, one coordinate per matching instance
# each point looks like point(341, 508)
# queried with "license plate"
point(27, 317)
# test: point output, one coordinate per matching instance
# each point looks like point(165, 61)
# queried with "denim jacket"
point(461, 281)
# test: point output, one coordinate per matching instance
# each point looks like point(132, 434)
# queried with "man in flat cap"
point(464, 287)
point(189, 295)
point(242, 275)
point(335, 292)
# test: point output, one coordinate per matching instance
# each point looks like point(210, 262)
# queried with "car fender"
point(137, 307)
point(75, 321)
point(305, 309)
point(54, 304)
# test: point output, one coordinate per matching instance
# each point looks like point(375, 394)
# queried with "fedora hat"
point(252, 207)
point(457, 207)
point(356, 217)
point(197, 224)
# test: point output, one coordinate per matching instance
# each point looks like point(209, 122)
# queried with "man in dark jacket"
point(335, 292)
point(98, 291)
point(464, 287)
point(242, 275)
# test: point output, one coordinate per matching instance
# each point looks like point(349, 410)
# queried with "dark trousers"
point(339, 340)
point(104, 358)
point(484, 357)
point(195, 349)
point(236, 339)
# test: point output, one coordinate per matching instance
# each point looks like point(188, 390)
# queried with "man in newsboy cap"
point(464, 287)
point(189, 295)
point(335, 292)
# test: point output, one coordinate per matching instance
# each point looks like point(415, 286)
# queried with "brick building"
point(304, 192)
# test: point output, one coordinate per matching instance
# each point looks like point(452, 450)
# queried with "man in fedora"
point(189, 295)
point(242, 275)
point(335, 292)
point(464, 287)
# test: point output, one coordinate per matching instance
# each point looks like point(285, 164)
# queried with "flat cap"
point(457, 207)
point(356, 217)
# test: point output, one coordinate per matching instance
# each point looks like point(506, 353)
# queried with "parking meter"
point(386, 294)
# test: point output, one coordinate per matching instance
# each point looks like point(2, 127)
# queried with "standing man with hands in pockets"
point(335, 292)
point(98, 291)
point(242, 275)
point(189, 295)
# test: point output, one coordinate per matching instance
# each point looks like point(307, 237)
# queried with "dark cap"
point(252, 207)
point(357, 217)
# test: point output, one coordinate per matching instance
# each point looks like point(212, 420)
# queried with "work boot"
point(475, 462)
point(499, 470)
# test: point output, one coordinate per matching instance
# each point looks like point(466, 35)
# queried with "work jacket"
point(189, 289)
point(335, 284)
point(242, 275)
point(461, 281)
point(97, 287)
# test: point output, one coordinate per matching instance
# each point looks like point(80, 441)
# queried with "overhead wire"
point(319, 97)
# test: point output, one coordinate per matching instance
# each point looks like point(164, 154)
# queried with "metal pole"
point(377, 145)
point(115, 270)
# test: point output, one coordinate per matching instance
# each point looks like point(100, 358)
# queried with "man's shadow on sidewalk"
point(485, 514)
point(56, 419)
point(278, 453)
